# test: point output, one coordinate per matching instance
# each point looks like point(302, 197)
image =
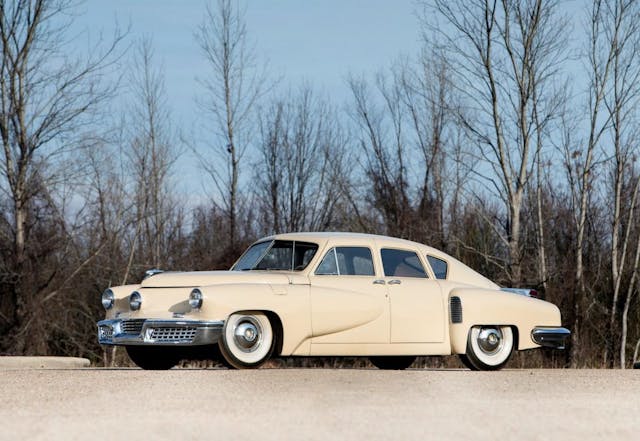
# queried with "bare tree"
point(301, 171)
point(47, 100)
point(380, 120)
point(612, 56)
point(620, 21)
point(632, 286)
point(403, 121)
point(505, 57)
point(152, 153)
point(427, 94)
point(232, 88)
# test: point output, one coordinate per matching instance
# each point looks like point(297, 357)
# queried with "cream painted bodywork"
point(347, 315)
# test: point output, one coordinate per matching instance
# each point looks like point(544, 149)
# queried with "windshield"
point(284, 255)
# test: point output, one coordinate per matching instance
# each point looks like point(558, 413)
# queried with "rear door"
point(416, 305)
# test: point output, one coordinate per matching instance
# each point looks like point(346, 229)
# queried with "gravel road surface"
point(319, 404)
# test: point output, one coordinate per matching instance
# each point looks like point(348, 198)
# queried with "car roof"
point(358, 238)
point(457, 271)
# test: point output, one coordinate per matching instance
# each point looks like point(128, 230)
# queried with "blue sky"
point(319, 41)
point(316, 41)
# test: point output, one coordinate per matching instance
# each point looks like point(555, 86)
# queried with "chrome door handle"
point(395, 282)
point(379, 282)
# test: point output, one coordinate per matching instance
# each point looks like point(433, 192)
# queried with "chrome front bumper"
point(158, 332)
point(550, 337)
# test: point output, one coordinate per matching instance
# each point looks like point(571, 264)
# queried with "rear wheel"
point(247, 340)
point(397, 362)
point(465, 361)
point(489, 347)
point(153, 358)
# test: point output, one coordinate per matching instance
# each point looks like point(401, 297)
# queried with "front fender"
point(492, 307)
point(289, 302)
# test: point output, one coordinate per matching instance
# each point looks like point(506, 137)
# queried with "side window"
point(401, 263)
point(347, 261)
point(438, 266)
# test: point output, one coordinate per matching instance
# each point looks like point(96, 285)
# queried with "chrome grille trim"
point(132, 326)
point(172, 335)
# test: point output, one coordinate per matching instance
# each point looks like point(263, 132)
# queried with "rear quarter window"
point(440, 267)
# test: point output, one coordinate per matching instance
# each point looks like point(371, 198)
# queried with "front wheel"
point(398, 362)
point(153, 358)
point(488, 347)
point(247, 340)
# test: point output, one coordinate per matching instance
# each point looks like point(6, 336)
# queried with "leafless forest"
point(510, 141)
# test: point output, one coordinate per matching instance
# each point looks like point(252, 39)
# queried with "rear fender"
point(492, 307)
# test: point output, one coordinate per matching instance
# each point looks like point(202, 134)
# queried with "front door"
point(349, 304)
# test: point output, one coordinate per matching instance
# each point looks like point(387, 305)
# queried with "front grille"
point(172, 335)
point(455, 309)
point(133, 326)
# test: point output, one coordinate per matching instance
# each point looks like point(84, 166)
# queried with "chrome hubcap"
point(490, 340)
point(247, 334)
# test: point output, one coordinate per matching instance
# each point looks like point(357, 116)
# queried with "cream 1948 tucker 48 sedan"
point(328, 294)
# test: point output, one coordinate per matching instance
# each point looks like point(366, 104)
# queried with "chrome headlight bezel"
point(135, 301)
point(108, 299)
point(195, 298)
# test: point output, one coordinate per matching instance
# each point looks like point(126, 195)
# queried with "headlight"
point(195, 299)
point(108, 298)
point(135, 300)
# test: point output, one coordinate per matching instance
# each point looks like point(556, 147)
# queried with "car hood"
point(203, 278)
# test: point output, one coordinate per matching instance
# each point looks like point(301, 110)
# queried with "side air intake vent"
point(455, 309)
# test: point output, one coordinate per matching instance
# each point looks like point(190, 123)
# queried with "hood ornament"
point(152, 272)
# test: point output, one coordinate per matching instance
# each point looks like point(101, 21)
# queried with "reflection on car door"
point(416, 305)
point(348, 303)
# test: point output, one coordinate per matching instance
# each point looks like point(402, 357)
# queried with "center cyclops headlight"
point(195, 299)
point(108, 299)
point(135, 300)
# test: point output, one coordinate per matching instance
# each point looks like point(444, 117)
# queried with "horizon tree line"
point(484, 144)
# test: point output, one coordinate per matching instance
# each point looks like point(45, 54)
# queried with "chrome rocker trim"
point(550, 337)
point(172, 333)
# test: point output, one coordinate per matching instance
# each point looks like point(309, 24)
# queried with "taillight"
point(525, 292)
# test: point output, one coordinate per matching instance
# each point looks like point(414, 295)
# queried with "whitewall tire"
point(247, 340)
